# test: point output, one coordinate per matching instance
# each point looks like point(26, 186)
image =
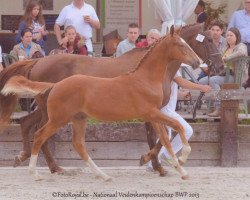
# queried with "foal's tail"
point(22, 86)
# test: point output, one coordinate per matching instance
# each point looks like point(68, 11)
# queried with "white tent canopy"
point(172, 12)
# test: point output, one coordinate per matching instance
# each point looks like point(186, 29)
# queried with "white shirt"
point(123, 47)
point(1, 55)
point(71, 15)
point(173, 94)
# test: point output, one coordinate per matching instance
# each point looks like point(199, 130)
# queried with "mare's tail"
point(19, 85)
point(8, 103)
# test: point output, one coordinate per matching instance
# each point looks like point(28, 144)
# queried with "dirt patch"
point(133, 183)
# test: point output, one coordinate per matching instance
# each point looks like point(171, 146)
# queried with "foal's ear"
point(178, 30)
point(172, 30)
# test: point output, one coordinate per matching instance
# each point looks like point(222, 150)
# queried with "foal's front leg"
point(159, 117)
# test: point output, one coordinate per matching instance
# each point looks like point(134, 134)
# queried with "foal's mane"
point(149, 50)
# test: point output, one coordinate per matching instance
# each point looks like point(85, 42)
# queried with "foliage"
point(215, 13)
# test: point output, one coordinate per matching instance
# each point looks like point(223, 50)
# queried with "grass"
point(95, 121)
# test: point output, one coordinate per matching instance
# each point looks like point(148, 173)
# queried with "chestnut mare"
point(57, 67)
point(137, 94)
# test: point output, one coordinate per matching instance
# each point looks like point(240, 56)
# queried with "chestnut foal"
point(137, 94)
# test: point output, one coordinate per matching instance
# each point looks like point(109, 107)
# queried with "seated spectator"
point(216, 29)
point(26, 49)
point(129, 42)
point(152, 36)
point(72, 43)
point(200, 12)
point(234, 48)
point(34, 20)
point(1, 66)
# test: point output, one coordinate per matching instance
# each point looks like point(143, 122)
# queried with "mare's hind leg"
point(153, 155)
point(27, 124)
point(7, 106)
point(79, 127)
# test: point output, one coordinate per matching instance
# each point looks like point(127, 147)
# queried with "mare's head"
point(179, 50)
point(202, 44)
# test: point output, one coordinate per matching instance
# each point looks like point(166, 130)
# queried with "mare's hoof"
point(17, 161)
point(163, 172)
point(185, 177)
point(142, 160)
point(57, 170)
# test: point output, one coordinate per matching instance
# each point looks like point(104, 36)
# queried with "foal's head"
point(180, 50)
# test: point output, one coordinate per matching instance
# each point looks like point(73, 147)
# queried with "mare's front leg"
point(155, 148)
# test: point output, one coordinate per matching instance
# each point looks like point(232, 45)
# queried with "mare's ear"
point(172, 30)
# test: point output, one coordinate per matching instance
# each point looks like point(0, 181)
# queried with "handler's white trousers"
point(176, 142)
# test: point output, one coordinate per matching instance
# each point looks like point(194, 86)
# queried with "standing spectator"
point(80, 15)
point(26, 49)
point(34, 20)
point(1, 66)
point(72, 43)
point(152, 36)
point(241, 21)
point(129, 42)
point(199, 11)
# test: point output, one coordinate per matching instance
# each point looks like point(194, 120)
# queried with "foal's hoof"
point(181, 162)
point(57, 170)
point(185, 177)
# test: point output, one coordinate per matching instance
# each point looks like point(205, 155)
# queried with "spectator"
point(216, 29)
point(241, 21)
point(26, 49)
point(129, 42)
point(199, 11)
point(72, 42)
point(152, 36)
point(1, 66)
point(80, 15)
point(34, 20)
point(234, 48)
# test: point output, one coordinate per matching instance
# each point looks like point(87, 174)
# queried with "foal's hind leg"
point(79, 127)
point(41, 101)
point(41, 136)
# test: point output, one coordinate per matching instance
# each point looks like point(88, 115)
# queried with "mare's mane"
point(17, 68)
